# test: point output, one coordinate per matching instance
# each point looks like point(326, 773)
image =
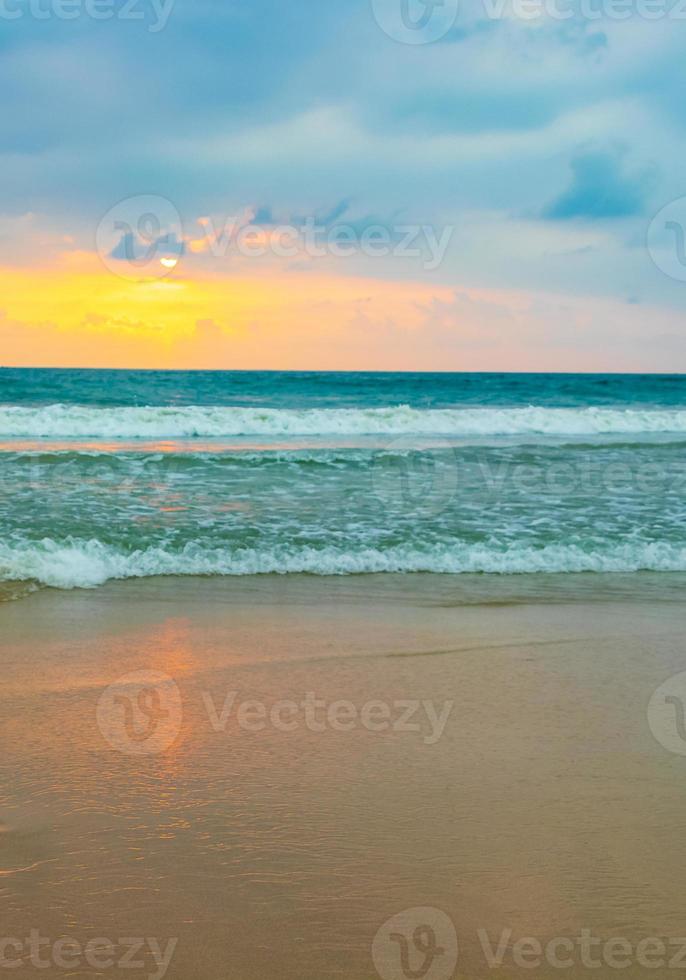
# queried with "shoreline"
point(459, 588)
point(273, 844)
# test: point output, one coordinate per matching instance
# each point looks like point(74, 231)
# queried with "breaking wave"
point(74, 563)
point(76, 421)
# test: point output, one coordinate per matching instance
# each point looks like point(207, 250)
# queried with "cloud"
point(600, 189)
point(133, 248)
point(583, 38)
point(311, 109)
point(264, 215)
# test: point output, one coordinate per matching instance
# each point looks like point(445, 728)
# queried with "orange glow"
point(78, 313)
point(258, 315)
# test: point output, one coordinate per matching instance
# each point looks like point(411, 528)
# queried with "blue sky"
point(547, 145)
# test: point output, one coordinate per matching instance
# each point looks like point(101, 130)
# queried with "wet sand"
point(276, 842)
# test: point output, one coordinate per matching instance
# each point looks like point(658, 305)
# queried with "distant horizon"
point(201, 370)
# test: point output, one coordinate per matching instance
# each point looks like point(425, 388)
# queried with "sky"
point(343, 184)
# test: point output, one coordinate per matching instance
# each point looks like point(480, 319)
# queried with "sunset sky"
point(538, 152)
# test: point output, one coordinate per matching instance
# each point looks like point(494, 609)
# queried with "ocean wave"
point(74, 563)
point(75, 421)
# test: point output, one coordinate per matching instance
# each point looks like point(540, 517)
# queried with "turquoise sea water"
point(125, 474)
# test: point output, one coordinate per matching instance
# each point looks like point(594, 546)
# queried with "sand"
point(526, 791)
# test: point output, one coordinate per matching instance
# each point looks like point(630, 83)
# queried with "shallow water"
point(135, 474)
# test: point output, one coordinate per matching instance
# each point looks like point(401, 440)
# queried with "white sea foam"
point(74, 421)
point(86, 564)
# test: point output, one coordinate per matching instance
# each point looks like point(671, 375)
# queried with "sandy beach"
point(287, 803)
point(342, 490)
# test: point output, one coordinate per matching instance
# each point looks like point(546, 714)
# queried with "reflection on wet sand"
point(278, 852)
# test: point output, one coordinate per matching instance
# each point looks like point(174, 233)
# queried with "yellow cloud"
point(77, 313)
point(80, 314)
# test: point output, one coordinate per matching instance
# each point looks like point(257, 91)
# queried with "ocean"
point(129, 474)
